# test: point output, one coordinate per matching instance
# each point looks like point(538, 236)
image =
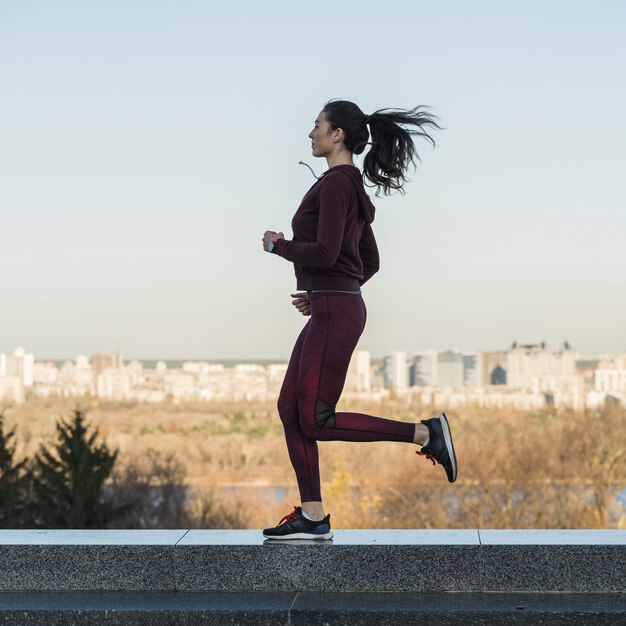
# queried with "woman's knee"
point(287, 408)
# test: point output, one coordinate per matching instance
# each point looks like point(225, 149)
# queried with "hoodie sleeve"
point(368, 251)
point(334, 200)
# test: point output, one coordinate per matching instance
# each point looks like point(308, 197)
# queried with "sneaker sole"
point(447, 435)
point(300, 536)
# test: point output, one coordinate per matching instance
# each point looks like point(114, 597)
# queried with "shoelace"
point(429, 455)
point(291, 516)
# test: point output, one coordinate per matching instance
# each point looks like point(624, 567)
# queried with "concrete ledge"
point(355, 561)
point(310, 609)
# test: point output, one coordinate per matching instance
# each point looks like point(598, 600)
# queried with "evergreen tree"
point(13, 483)
point(68, 486)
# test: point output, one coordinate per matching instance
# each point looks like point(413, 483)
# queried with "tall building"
point(528, 362)
point(19, 365)
point(473, 370)
point(423, 369)
point(396, 371)
point(447, 369)
point(450, 369)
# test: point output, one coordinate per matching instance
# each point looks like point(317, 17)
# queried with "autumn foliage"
point(226, 465)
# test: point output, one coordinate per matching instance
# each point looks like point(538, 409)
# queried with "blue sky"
point(146, 146)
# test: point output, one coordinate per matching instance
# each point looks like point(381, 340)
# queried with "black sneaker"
point(440, 448)
point(296, 526)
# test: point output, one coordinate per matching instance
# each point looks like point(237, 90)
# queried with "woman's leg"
point(311, 388)
point(302, 450)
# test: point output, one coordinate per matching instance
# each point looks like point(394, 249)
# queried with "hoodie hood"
point(366, 207)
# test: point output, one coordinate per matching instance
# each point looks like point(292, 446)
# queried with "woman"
point(334, 253)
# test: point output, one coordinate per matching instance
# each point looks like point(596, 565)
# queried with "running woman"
point(334, 253)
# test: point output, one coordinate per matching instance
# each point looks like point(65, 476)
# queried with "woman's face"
point(322, 137)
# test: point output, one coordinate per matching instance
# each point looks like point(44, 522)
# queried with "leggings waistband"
point(354, 293)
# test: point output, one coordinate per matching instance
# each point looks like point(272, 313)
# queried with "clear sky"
point(145, 147)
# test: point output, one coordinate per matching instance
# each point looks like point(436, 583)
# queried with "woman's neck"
point(342, 157)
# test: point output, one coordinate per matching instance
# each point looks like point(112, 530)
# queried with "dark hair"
point(392, 149)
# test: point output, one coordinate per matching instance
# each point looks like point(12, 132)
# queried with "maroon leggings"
point(313, 383)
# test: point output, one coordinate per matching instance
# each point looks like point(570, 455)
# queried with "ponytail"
point(392, 150)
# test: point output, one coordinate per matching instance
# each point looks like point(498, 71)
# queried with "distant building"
point(494, 368)
point(100, 362)
point(82, 362)
point(473, 370)
point(610, 376)
point(46, 373)
point(423, 369)
point(75, 381)
point(114, 383)
point(447, 369)
point(396, 371)
point(527, 362)
point(20, 365)
point(377, 375)
point(450, 369)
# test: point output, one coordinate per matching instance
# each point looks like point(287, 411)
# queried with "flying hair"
point(392, 148)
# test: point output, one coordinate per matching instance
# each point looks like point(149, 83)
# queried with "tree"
point(13, 482)
point(156, 484)
point(68, 485)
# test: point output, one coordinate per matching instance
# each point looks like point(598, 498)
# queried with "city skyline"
point(550, 346)
point(147, 146)
point(524, 376)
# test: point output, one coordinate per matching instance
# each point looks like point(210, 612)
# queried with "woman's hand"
point(301, 302)
point(270, 235)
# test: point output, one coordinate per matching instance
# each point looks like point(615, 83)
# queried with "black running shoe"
point(440, 448)
point(296, 526)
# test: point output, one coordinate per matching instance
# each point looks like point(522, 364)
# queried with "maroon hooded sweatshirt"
point(333, 245)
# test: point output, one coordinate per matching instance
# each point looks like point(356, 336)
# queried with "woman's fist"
point(301, 302)
point(270, 235)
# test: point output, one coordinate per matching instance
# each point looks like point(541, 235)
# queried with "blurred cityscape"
point(527, 376)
